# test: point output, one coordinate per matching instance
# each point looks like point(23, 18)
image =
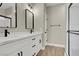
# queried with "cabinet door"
point(12, 47)
point(27, 48)
point(14, 53)
point(39, 46)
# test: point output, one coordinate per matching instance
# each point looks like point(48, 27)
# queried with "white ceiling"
point(53, 4)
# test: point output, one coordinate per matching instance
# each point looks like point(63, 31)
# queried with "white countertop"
point(16, 36)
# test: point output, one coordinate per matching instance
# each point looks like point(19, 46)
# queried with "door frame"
point(69, 28)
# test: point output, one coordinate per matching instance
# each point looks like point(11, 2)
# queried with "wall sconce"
point(0, 4)
point(30, 5)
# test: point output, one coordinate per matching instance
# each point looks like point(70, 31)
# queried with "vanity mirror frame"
point(26, 19)
point(11, 18)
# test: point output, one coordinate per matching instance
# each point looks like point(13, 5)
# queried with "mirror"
point(29, 19)
point(8, 15)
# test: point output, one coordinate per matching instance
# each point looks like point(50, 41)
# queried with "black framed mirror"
point(8, 15)
point(29, 19)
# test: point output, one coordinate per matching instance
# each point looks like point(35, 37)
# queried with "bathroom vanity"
point(18, 43)
point(21, 44)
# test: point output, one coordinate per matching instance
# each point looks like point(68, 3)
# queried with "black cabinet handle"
point(39, 41)
point(33, 46)
point(33, 38)
point(34, 54)
point(45, 32)
point(18, 54)
point(21, 53)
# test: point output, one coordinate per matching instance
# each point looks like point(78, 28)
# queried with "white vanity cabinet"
point(27, 46)
point(15, 48)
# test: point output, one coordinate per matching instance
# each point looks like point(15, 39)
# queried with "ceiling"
point(53, 4)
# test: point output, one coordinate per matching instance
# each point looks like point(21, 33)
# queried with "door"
point(74, 44)
point(73, 29)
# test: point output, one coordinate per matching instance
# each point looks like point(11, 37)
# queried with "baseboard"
point(57, 45)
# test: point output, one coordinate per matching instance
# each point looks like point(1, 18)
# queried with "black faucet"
point(31, 30)
point(6, 32)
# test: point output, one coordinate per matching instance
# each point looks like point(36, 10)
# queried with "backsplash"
point(1, 32)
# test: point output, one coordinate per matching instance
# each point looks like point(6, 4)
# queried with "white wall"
point(56, 15)
point(39, 16)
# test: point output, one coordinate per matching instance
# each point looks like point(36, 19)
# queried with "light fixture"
point(0, 4)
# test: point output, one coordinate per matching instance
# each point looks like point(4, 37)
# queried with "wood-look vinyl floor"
point(51, 51)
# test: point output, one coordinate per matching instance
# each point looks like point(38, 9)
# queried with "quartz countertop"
point(17, 36)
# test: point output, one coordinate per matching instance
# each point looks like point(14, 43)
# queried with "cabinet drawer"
point(36, 39)
point(36, 48)
point(25, 50)
point(39, 46)
point(14, 53)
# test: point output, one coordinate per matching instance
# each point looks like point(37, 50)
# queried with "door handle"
point(33, 38)
point(73, 31)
